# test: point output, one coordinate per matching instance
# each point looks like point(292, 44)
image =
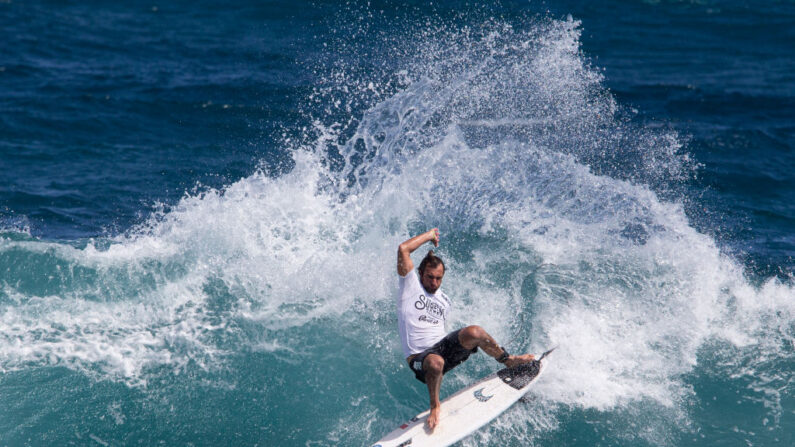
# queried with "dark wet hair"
point(431, 260)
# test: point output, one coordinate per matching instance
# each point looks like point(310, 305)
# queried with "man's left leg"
point(433, 366)
point(472, 337)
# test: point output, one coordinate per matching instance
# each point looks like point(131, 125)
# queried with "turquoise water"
point(201, 206)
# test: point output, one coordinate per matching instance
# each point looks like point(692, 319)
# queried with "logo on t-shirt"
point(428, 319)
point(420, 303)
point(431, 307)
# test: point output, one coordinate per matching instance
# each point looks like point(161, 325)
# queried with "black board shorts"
point(449, 348)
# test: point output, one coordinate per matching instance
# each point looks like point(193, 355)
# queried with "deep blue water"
point(200, 202)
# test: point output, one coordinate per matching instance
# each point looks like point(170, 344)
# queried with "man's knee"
point(433, 364)
point(472, 333)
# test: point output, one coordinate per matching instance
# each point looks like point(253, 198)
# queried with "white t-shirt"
point(421, 315)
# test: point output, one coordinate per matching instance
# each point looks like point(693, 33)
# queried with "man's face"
point(432, 278)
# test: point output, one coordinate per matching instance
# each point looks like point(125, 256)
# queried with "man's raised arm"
point(404, 264)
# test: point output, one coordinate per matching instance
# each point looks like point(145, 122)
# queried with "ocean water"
point(200, 204)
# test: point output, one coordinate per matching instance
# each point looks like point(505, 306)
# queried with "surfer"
point(422, 312)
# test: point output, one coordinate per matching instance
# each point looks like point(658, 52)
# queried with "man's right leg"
point(433, 366)
point(475, 336)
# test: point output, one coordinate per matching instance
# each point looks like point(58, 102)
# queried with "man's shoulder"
point(411, 274)
point(443, 297)
point(410, 281)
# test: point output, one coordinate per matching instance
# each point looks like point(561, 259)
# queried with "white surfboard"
point(467, 410)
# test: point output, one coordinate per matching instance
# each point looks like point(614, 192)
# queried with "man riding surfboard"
point(423, 310)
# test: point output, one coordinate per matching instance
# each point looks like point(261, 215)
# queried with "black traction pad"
point(521, 375)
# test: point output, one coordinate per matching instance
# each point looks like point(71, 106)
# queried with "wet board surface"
point(468, 409)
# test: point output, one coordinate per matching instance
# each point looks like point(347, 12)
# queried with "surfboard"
point(468, 409)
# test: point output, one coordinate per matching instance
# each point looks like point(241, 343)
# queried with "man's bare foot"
point(516, 360)
point(433, 418)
